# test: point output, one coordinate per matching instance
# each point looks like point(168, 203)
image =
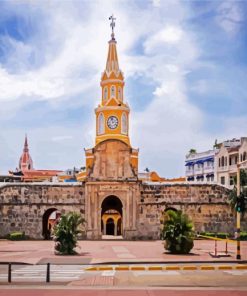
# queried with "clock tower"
point(112, 157)
point(112, 114)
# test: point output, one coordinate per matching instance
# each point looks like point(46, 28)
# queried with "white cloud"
point(74, 54)
point(169, 35)
point(229, 17)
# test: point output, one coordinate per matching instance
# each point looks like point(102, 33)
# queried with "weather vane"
point(112, 25)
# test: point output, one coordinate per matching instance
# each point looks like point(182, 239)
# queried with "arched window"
point(120, 93)
point(222, 161)
point(105, 93)
point(225, 161)
point(101, 124)
point(244, 156)
point(124, 125)
point(113, 91)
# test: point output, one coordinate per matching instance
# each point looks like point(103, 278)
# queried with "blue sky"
point(185, 66)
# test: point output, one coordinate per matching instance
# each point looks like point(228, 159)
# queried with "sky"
point(185, 67)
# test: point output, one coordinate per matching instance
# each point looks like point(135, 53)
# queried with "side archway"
point(49, 219)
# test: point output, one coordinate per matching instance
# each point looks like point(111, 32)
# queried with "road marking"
point(207, 267)
point(171, 267)
point(120, 249)
point(137, 268)
point(192, 267)
point(154, 267)
point(149, 272)
point(224, 267)
point(236, 272)
point(108, 273)
point(122, 268)
point(126, 256)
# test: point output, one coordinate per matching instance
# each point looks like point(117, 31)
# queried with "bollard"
point(48, 273)
point(215, 248)
point(9, 273)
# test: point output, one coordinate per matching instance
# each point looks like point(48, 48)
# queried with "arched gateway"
point(111, 216)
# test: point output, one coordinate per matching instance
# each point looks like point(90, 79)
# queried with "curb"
point(169, 267)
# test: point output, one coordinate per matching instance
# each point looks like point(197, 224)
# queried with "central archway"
point(111, 216)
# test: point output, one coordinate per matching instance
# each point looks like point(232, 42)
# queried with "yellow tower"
point(112, 157)
point(112, 114)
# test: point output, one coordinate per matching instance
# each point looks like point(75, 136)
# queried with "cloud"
point(230, 17)
point(169, 35)
point(59, 67)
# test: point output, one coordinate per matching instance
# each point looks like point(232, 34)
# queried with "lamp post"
point(238, 213)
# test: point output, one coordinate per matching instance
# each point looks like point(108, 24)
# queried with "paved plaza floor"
point(114, 251)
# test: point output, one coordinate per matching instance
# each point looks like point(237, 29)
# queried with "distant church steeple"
point(25, 162)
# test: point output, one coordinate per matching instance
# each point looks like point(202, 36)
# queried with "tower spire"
point(112, 58)
point(25, 149)
point(112, 25)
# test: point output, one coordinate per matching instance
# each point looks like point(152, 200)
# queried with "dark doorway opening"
point(111, 216)
point(49, 219)
point(110, 226)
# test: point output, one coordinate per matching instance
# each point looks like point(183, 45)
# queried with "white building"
point(219, 165)
point(230, 153)
point(200, 167)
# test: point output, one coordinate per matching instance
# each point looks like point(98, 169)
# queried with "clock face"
point(112, 122)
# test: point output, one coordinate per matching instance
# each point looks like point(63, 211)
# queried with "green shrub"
point(66, 232)
point(243, 235)
point(218, 234)
point(17, 235)
point(178, 232)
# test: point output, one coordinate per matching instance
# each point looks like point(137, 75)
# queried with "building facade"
point(229, 154)
point(217, 166)
point(200, 167)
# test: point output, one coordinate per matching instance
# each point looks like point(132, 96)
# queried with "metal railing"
point(47, 277)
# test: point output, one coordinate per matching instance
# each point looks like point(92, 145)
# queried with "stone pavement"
point(117, 292)
point(90, 252)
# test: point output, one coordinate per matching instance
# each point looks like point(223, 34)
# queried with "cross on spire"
point(112, 25)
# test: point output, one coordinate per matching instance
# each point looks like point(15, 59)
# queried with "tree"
point(238, 202)
point(178, 232)
point(66, 232)
point(192, 151)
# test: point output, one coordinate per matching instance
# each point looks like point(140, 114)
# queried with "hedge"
point(17, 235)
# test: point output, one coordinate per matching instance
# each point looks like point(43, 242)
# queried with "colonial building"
point(217, 166)
point(200, 167)
point(230, 153)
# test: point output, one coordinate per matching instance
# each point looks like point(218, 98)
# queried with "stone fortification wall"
point(207, 205)
point(22, 206)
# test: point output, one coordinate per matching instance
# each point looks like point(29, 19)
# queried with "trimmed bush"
point(17, 235)
point(243, 236)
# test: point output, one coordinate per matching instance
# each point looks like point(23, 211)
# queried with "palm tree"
point(178, 232)
point(66, 232)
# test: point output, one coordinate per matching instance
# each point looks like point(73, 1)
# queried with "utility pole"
point(238, 213)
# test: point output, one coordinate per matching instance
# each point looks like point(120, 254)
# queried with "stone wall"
point(207, 205)
point(22, 206)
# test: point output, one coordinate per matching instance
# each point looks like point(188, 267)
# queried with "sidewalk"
point(96, 252)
